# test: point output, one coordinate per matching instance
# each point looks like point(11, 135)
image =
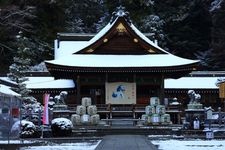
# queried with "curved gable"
point(120, 37)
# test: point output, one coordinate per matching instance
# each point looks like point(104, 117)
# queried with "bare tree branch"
point(14, 17)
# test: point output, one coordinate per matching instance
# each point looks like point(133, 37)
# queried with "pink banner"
point(45, 114)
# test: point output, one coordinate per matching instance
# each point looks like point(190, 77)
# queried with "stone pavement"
point(125, 142)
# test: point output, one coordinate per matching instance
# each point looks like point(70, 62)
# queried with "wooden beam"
point(78, 98)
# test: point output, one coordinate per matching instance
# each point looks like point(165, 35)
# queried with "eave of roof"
point(124, 61)
point(191, 83)
point(5, 90)
point(52, 84)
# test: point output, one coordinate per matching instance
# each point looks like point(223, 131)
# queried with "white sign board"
point(120, 93)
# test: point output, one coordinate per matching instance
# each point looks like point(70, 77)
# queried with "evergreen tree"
point(81, 16)
point(103, 21)
point(20, 66)
point(216, 55)
point(75, 25)
point(191, 28)
point(187, 26)
point(14, 17)
point(205, 60)
point(154, 25)
point(50, 20)
point(138, 9)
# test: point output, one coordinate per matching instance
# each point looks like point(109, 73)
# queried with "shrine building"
point(118, 65)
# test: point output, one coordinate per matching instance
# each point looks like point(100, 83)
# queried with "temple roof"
point(118, 45)
point(52, 84)
point(181, 83)
point(199, 81)
point(42, 83)
point(160, 60)
point(6, 90)
point(191, 83)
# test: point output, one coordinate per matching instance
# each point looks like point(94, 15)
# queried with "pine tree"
point(14, 17)
point(213, 59)
point(81, 16)
point(218, 37)
point(20, 66)
point(187, 26)
point(154, 25)
point(102, 21)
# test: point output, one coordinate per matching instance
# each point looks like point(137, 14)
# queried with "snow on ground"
point(15, 141)
point(192, 144)
point(66, 146)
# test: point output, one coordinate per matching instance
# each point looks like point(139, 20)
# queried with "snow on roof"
point(101, 33)
point(6, 79)
point(7, 91)
point(66, 48)
point(45, 83)
point(74, 46)
point(109, 26)
point(69, 47)
point(33, 80)
point(191, 83)
point(181, 83)
point(30, 79)
point(157, 60)
point(48, 82)
point(141, 35)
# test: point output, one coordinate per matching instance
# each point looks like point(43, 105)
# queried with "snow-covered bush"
point(30, 110)
point(61, 127)
point(28, 129)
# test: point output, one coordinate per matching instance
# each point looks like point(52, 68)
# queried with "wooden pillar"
point(134, 77)
point(106, 77)
point(162, 91)
point(134, 80)
point(78, 98)
point(106, 80)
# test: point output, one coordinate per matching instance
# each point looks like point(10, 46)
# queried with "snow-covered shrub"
point(61, 127)
point(28, 129)
point(30, 110)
